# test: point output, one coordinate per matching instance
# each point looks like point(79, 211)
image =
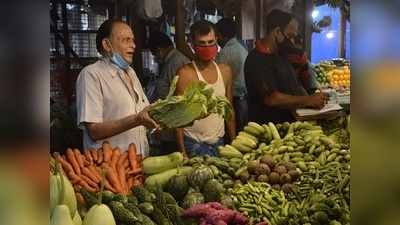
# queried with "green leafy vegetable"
point(197, 102)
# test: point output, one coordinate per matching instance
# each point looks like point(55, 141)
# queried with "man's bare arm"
point(99, 131)
point(278, 99)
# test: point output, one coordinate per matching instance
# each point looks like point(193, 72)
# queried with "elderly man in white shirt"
point(111, 103)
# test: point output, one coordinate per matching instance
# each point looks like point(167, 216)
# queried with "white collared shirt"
point(103, 94)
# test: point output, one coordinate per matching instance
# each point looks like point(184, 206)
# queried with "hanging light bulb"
point(315, 13)
point(330, 34)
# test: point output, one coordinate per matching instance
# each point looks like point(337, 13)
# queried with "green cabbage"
point(197, 102)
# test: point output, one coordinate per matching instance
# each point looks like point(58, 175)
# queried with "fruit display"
point(336, 75)
point(339, 77)
point(288, 173)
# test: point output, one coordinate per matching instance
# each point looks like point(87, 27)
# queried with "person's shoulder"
point(186, 71)
point(93, 68)
point(226, 70)
point(224, 67)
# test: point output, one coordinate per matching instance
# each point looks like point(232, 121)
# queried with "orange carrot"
point(95, 172)
point(90, 174)
point(108, 186)
point(132, 156)
point(135, 171)
point(86, 185)
point(126, 163)
point(122, 178)
point(92, 154)
point(65, 165)
point(107, 151)
point(78, 157)
point(123, 159)
point(71, 158)
point(88, 156)
point(73, 177)
point(100, 156)
point(115, 158)
point(112, 177)
point(91, 182)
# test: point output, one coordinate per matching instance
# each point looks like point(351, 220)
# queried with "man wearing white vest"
point(206, 134)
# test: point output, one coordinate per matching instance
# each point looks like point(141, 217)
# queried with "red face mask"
point(206, 53)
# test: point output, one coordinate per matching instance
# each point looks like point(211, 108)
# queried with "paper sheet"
point(311, 112)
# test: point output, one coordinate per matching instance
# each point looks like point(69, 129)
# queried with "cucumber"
point(163, 178)
point(158, 164)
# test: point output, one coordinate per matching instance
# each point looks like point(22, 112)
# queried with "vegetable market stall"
point(296, 173)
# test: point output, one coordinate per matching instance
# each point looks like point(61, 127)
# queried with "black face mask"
point(286, 43)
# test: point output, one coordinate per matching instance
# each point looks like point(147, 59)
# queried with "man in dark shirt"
point(273, 87)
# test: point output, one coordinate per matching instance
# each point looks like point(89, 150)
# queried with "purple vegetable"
point(213, 213)
point(216, 205)
point(220, 222)
point(198, 210)
point(204, 222)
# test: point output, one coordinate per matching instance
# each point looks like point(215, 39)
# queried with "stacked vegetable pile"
point(307, 146)
point(260, 202)
point(197, 102)
point(123, 169)
point(142, 207)
point(318, 209)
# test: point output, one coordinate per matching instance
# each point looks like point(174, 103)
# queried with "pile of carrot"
point(122, 169)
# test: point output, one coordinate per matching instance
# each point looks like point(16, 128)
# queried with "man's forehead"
point(121, 29)
point(209, 36)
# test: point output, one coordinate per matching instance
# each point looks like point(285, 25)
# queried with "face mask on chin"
point(206, 53)
point(117, 59)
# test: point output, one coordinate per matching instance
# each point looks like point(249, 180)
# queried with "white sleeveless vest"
point(211, 128)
